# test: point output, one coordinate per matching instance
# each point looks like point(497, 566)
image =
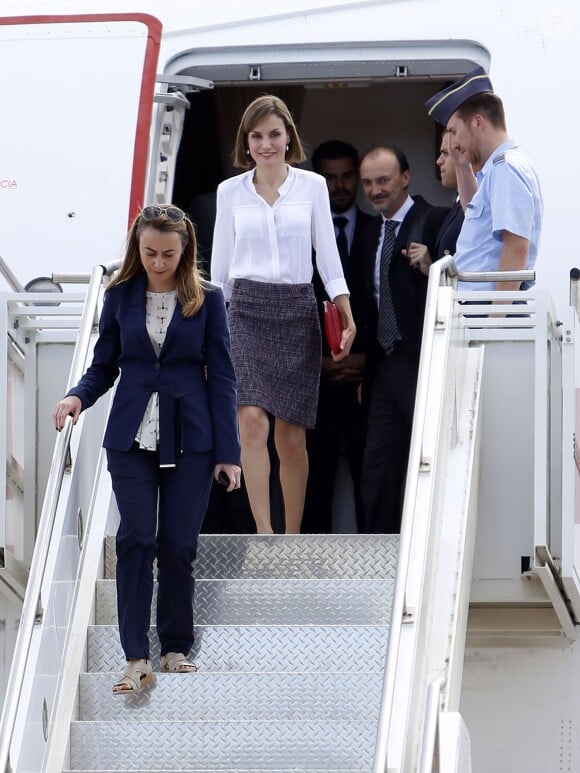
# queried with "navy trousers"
point(161, 511)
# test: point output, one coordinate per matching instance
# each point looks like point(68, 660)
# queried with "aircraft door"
point(171, 104)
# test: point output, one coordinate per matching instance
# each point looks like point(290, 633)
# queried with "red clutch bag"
point(332, 326)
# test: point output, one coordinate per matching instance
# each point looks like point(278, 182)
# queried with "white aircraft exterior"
point(382, 58)
point(108, 107)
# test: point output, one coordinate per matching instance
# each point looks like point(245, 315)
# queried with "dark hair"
point(332, 150)
point(191, 287)
point(257, 111)
point(488, 105)
point(397, 152)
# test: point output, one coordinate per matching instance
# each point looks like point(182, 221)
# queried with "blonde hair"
point(191, 286)
point(257, 111)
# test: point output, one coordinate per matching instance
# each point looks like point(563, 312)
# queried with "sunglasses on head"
point(157, 211)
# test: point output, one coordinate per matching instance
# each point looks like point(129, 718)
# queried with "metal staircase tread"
point(275, 601)
point(239, 648)
point(266, 746)
point(304, 556)
point(236, 697)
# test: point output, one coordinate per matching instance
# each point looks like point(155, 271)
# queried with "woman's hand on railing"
point(68, 406)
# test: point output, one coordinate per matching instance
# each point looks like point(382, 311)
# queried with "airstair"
point(315, 652)
point(290, 663)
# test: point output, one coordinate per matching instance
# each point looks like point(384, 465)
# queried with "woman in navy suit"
point(172, 427)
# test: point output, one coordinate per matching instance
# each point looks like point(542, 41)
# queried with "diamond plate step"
point(236, 697)
point(275, 602)
point(260, 648)
point(291, 640)
point(234, 746)
point(307, 556)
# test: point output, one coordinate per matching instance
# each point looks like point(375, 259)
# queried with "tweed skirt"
point(276, 348)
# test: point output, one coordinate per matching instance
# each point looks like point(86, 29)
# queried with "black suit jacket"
point(354, 275)
point(408, 286)
point(449, 232)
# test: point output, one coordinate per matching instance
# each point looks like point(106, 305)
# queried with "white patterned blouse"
point(158, 312)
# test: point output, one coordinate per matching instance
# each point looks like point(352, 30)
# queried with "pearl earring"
point(287, 148)
point(248, 152)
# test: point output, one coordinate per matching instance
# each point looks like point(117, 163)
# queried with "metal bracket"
point(548, 573)
point(184, 83)
point(177, 87)
point(255, 73)
point(173, 99)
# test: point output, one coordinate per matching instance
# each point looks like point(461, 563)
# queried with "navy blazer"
point(193, 376)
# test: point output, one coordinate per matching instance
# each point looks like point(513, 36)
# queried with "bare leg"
point(254, 430)
point(290, 442)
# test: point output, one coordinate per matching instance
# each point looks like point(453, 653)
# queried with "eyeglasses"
point(157, 211)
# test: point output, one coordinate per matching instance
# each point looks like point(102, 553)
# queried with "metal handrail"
point(436, 274)
point(31, 608)
point(575, 289)
point(68, 278)
point(10, 277)
point(430, 727)
point(442, 272)
point(496, 276)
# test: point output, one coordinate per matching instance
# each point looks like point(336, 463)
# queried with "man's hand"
point(419, 257)
point(346, 371)
point(466, 179)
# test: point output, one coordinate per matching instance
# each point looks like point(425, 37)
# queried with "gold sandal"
point(177, 663)
point(136, 675)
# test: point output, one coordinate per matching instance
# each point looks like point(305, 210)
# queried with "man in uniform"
point(503, 214)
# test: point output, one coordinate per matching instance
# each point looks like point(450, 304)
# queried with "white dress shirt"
point(399, 216)
point(273, 243)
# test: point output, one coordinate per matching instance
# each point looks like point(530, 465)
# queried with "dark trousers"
point(161, 511)
point(339, 423)
point(389, 423)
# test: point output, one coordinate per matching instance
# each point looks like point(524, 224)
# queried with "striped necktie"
point(387, 331)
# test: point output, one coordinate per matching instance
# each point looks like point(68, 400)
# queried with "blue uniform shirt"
point(508, 198)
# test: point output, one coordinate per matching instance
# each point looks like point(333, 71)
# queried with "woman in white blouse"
point(268, 221)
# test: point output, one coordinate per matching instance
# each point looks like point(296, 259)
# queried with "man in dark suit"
point(339, 423)
point(395, 293)
point(446, 230)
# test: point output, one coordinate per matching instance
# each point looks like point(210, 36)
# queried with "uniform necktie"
point(388, 331)
point(341, 240)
